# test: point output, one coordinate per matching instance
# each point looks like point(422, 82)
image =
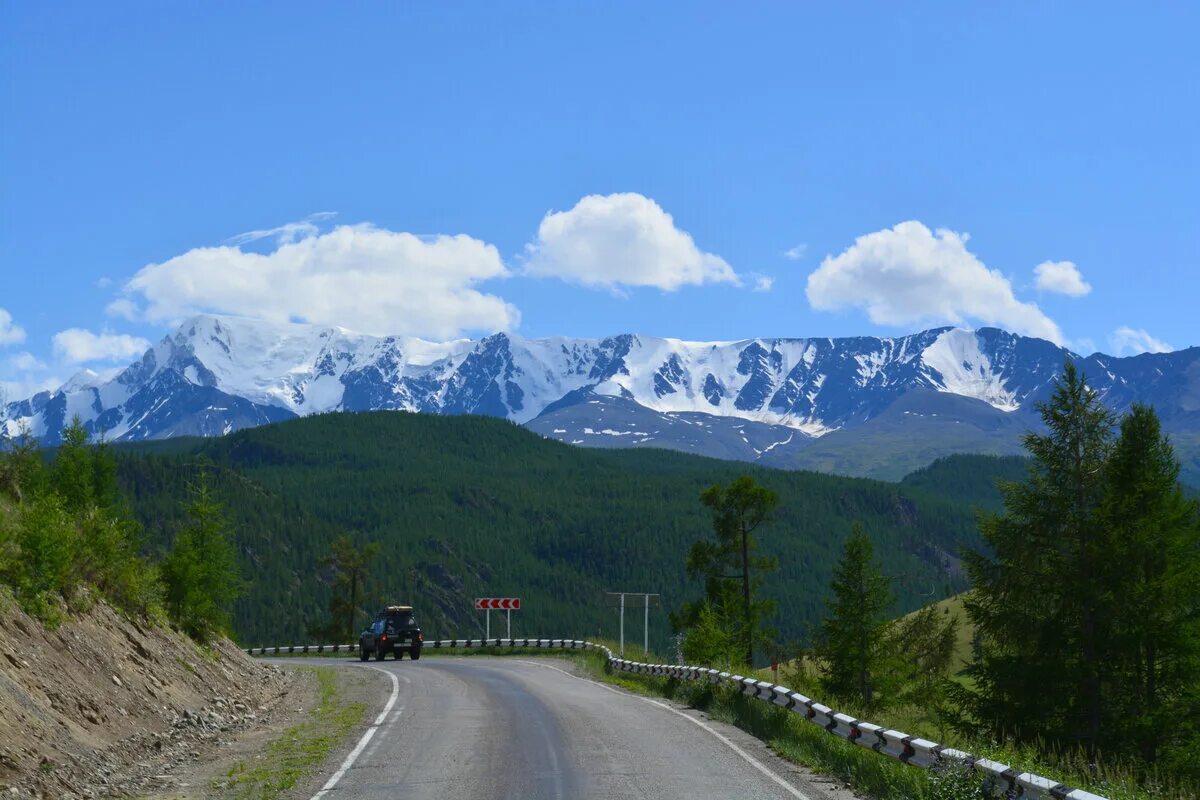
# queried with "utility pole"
point(646, 628)
point(648, 598)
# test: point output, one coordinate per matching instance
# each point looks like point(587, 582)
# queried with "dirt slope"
point(101, 706)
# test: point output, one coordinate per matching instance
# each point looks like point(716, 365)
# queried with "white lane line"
point(366, 737)
point(751, 760)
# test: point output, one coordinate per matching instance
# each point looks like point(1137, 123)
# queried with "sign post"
point(505, 604)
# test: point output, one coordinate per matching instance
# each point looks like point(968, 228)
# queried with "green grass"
point(299, 749)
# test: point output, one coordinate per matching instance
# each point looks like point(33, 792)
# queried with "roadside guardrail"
point(912, 750)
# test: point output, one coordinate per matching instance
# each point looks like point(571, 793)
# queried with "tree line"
point(68, 534)
point(1085, 602)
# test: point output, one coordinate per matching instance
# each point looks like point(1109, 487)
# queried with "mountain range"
point(871, 406)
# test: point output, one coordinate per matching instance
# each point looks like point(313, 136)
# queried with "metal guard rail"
point(885, 741)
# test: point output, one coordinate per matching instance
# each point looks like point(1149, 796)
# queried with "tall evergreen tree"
point(73, 473)
point(201, 571)
point(729, 563)
point(853, 644)
point(1039, 603)
point(1154, 578)
point(350, 565)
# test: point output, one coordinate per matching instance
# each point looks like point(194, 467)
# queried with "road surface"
point(489, 728)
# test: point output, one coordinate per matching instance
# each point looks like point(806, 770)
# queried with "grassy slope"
point(469, 506)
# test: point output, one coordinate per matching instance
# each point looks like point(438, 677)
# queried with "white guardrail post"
point(911, 750)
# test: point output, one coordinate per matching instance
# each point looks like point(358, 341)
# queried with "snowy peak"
point(215, 374)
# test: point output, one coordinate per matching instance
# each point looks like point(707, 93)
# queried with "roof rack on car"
point(398, 609)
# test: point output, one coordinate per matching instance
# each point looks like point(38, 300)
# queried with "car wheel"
point(414, 653)
point(362, 653)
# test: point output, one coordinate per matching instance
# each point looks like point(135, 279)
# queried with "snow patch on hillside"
point(966, 370)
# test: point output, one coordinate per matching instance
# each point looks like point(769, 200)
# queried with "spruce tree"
point(1039, 603)
point(1154, 578)
point(201, 572)
point(853, 650)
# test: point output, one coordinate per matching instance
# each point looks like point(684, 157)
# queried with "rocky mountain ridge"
point(760, 399)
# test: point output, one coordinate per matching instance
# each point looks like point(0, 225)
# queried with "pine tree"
point(351, 566)
point(729, 564)
point(1154, 578)
point(924, 644)
point(73, 473)
point(853, 645)
point(1039, 602)
point(201, 572)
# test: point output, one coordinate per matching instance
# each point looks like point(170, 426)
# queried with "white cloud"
point(12, 391)
point(103, 282)
point(762, 283)
point(288, 232)
point(77, 345)
point(1133, 341)
point(1083, 346)
point(358, 276)
point(25, 362)
point(1061, 277)
point(796, 253)
point(910, 275)
point(622, 240)
point(122, 307)
point(10, 332)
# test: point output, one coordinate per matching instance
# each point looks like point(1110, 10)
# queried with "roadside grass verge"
point(300, 749)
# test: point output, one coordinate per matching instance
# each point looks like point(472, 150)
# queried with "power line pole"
point(648, 598)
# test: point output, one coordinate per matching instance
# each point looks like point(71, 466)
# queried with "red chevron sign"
point(501, 603)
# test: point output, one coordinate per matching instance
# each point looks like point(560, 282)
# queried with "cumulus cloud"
point(622, 240)
point(909, 274)
point(10, 332)
point(78, 345)
point(25, 362)
point(358, 276)
point(1061, 277)
point(122, 307)
point(796, 253)
point(12, 391)
point(762, 283)
point(1133, 341)
point(25, 375)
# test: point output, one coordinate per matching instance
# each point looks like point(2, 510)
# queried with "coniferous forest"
point(467, 506)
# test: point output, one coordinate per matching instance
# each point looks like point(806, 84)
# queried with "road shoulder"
point(297, 743)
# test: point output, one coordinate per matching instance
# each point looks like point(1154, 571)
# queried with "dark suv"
point(394, 630)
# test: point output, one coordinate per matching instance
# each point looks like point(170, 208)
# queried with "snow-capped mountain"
point(760, 399)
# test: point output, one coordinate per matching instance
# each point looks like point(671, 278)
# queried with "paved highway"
point(526, 729)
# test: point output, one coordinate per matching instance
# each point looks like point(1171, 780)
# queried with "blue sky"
point(683, 170)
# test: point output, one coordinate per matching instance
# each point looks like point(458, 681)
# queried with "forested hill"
point(970, 479)
point(469, 506)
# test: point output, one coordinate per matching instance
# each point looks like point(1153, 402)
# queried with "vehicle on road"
point(394, 631)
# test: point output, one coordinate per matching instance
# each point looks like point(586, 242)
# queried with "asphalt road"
point(496, 728)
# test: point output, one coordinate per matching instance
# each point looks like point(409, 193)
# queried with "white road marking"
point(366, 737)
point(751, 760)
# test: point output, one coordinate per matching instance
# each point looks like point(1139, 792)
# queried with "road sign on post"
point(505, 604)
